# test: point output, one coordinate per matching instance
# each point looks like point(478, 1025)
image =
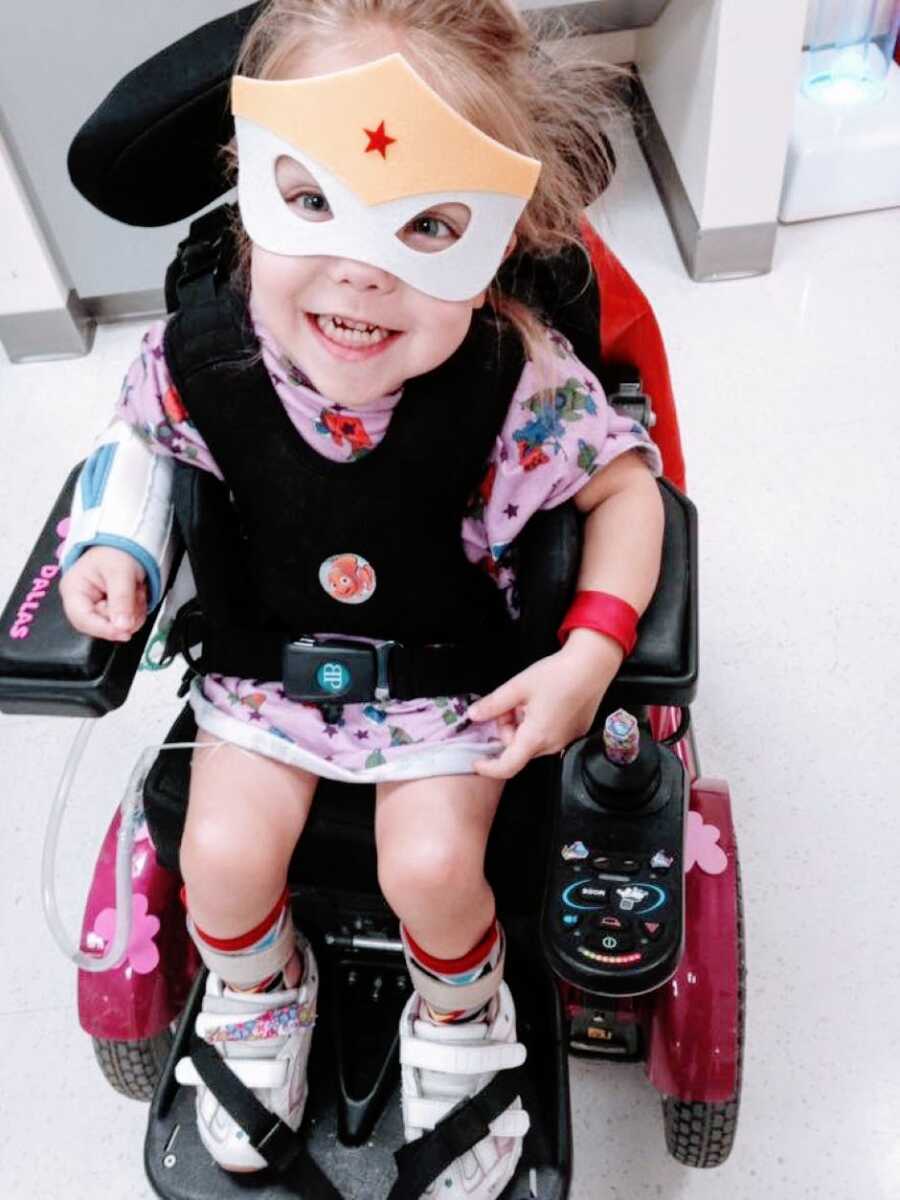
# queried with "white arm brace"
point(123, 498)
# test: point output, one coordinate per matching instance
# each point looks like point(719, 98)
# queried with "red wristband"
point(605, 614)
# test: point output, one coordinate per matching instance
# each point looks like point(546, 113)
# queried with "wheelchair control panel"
point(613, 916)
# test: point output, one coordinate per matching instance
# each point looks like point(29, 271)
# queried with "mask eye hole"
point(300, 191)
point(436, 229)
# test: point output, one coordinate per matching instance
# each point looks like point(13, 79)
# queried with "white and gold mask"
point(383, 148)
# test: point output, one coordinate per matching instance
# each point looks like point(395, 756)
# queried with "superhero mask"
point(383, 148)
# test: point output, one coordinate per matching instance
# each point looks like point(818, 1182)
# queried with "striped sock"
point(255, 941)
point(481, 960)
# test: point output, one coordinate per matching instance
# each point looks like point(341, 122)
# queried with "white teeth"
point(350, 333)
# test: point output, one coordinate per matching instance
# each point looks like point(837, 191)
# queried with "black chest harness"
point(297, 545)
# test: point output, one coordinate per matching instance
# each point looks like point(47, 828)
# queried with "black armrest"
point(663, 667)
point(46, 668)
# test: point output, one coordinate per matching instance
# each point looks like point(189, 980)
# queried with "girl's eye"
point(301, 191)
point(436, 229)
point(312, 205)
point(432, 227)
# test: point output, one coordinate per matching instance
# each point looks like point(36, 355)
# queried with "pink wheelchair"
point(617, 878)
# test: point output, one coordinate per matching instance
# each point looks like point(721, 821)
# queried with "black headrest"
point(147, 156)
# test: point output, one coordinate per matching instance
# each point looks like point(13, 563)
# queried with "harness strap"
point(268, 1135)
point(420, 1162)
point(413, 671)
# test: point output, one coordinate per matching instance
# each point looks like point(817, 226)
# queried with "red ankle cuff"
point(243, 940)
point(453, 966)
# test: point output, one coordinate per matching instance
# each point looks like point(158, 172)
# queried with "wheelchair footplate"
point(613, 919)
point(352, 1125)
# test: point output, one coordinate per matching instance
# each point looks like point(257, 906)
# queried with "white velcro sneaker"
point(444, 1064)
point(264, 1038)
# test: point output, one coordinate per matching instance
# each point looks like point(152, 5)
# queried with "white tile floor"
point(788, 395)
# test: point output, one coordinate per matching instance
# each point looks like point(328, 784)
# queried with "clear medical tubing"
point(131, 810)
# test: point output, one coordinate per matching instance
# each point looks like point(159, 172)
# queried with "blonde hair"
point(481, 57)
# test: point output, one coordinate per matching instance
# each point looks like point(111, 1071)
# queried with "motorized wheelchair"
point(617, 882)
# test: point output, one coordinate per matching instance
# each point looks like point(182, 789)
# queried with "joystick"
point(613, 914)
point(620, 772)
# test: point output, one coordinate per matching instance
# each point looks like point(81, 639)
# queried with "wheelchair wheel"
point(133, 1068)
point(701, 1134)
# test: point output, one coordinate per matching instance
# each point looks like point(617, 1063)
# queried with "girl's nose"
point(361, 276)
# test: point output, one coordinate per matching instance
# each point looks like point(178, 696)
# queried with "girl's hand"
point(104, 594)
point(549, 704)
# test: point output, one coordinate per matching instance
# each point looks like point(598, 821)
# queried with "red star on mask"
point(378, 140)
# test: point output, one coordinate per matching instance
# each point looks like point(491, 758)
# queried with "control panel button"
point(587, 896)
point(611, 923)
point(610, 941)
point(617, 864)
point(575, 852)
point(661, 861)
point(652, 929)
point(639, 899)
point(570, 919)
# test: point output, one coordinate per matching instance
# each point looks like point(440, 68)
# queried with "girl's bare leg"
point(245, 814)
point(431, 836)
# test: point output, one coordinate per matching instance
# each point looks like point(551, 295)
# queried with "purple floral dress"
point(553, 440)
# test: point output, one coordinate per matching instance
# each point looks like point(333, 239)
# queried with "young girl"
point(346, 312)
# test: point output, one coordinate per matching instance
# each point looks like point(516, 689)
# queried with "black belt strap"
point(413, 671)
point(268, 1135)
point(420, 1162)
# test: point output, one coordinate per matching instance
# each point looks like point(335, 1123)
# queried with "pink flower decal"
point(701, 846)
point(142, 954)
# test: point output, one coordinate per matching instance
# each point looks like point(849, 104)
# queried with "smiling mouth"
point(353, 334)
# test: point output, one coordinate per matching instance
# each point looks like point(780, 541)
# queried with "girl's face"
point(357, 332)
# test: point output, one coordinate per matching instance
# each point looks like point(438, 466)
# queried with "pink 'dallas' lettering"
point(40, 586)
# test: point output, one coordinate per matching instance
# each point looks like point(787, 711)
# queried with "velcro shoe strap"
point(461, 1060)
point(244, 969)
point(252, 1072)
point(421, 1161)
point(422, 1113)
point(266, 1025)
point(447, 997)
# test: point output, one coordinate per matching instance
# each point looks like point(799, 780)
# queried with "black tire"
point(133, 1068)
point(700, 1134)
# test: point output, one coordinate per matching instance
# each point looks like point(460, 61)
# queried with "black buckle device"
point(344, 669)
